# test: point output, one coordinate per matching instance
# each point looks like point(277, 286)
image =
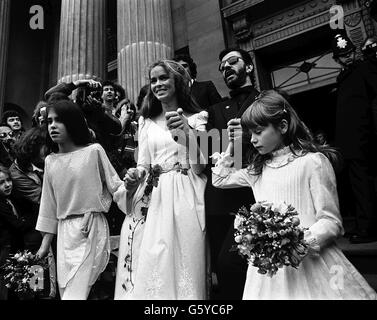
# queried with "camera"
point(85, 92)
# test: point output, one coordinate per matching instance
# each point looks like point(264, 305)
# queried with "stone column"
point(4, 36)
point(82, 40)
point(144, 36)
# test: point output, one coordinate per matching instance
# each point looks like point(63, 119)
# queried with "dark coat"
point(219, 201)
point(13, 228)
point(356, 115)
point(26, 184)
point(205, 94)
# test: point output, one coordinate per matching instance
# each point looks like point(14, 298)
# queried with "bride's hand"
point(178, 125)
point(133, 178)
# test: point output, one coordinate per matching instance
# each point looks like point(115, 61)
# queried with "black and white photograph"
point(189, 154)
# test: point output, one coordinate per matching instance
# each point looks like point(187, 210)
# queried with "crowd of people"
point(94, 166)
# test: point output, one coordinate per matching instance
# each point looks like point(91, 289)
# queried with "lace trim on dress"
point(281, 158)
point(313, 245)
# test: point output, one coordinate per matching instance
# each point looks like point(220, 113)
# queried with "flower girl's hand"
point(42, 252)
point(133, 178)
point(178, 125)
point(234, 129)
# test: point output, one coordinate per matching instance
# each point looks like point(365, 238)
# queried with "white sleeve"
point(143, 154)
point(228, 178)
point(111, 179)
point(325, 198)
point(199, 121)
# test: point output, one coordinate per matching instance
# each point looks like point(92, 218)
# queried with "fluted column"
point(144, 36)
point(4, 36)
point(82, 40)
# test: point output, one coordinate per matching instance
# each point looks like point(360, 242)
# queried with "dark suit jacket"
point(219, 201)
point(13, 228)
point(356, 118)
point(205, 94)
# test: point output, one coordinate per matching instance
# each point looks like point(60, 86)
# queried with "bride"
point(162, 246)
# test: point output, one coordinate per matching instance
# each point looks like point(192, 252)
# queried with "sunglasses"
point(231, 61)
point(5, 134)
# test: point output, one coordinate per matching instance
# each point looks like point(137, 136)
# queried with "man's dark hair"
point(9, 114)
point(244, 54)
point(108, 83)
point(192, 65)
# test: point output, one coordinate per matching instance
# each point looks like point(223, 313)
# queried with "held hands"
point(178, 125)
point(133, 178)
point(43, 251)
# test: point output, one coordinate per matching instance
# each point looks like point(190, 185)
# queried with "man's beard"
point(238, 81)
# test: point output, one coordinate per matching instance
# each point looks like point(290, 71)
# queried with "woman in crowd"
point(162, 248)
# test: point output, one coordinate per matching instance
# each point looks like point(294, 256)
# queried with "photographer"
point(100, 119)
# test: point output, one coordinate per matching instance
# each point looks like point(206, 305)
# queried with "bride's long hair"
point(152, 106)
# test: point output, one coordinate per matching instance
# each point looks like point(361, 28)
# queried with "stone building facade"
point(289, 40)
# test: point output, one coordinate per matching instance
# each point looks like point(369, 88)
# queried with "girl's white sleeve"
point(226, 177)
point(111, 179)
point(143, 155)
point(325, 198)
point(47, 217)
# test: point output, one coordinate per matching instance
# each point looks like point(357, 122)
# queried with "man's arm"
point(68, 88)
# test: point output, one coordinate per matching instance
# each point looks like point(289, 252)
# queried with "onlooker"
point(204, 92)
point(355, 134)
point(12, 223)
point(39, 114)
point(142, 94)
point(6, 146)
point(13, 120)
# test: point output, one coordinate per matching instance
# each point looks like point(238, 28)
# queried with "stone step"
point(364, 257)
point(372, 280)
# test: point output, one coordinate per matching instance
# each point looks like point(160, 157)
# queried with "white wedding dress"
point(164, 257)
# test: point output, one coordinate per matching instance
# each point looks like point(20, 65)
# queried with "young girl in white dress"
point(287, 166)
point(78, 186)
point(162, 254)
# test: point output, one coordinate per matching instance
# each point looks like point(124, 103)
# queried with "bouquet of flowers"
point(270, 237)
point(23, 273)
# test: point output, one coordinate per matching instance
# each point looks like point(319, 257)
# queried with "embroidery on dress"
point(154, 285)
point(128, 284)
point(185, 288)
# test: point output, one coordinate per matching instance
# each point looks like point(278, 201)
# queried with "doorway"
point(317, 108)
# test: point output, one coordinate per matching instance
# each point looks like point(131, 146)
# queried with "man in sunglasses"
point(204, 92)
point(237, 69)
point(356, 137)
point(7, 139)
